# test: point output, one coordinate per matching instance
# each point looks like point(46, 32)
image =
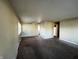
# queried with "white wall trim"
point(69, 42)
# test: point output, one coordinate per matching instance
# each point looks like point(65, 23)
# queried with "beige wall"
point(69, 31)
point(8, 31)
point(46, 29)
point(29, 29)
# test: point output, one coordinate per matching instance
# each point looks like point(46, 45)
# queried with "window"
point(39, 29)
point(19, 28)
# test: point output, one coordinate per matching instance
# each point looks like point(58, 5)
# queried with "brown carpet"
point(38, 48)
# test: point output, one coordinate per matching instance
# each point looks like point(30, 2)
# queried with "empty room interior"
point(38, 29)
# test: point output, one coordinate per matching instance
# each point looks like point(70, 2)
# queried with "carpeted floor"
point(39, 48)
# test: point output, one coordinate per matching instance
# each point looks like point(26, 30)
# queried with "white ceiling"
point(38, 10)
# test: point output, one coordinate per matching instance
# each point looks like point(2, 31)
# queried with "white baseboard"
point(70, 42)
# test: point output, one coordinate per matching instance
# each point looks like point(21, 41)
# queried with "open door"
point(56, 30)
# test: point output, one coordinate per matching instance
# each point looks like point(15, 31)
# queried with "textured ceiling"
point(38, 10)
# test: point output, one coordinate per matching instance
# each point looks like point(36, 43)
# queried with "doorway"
point(56, 29)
